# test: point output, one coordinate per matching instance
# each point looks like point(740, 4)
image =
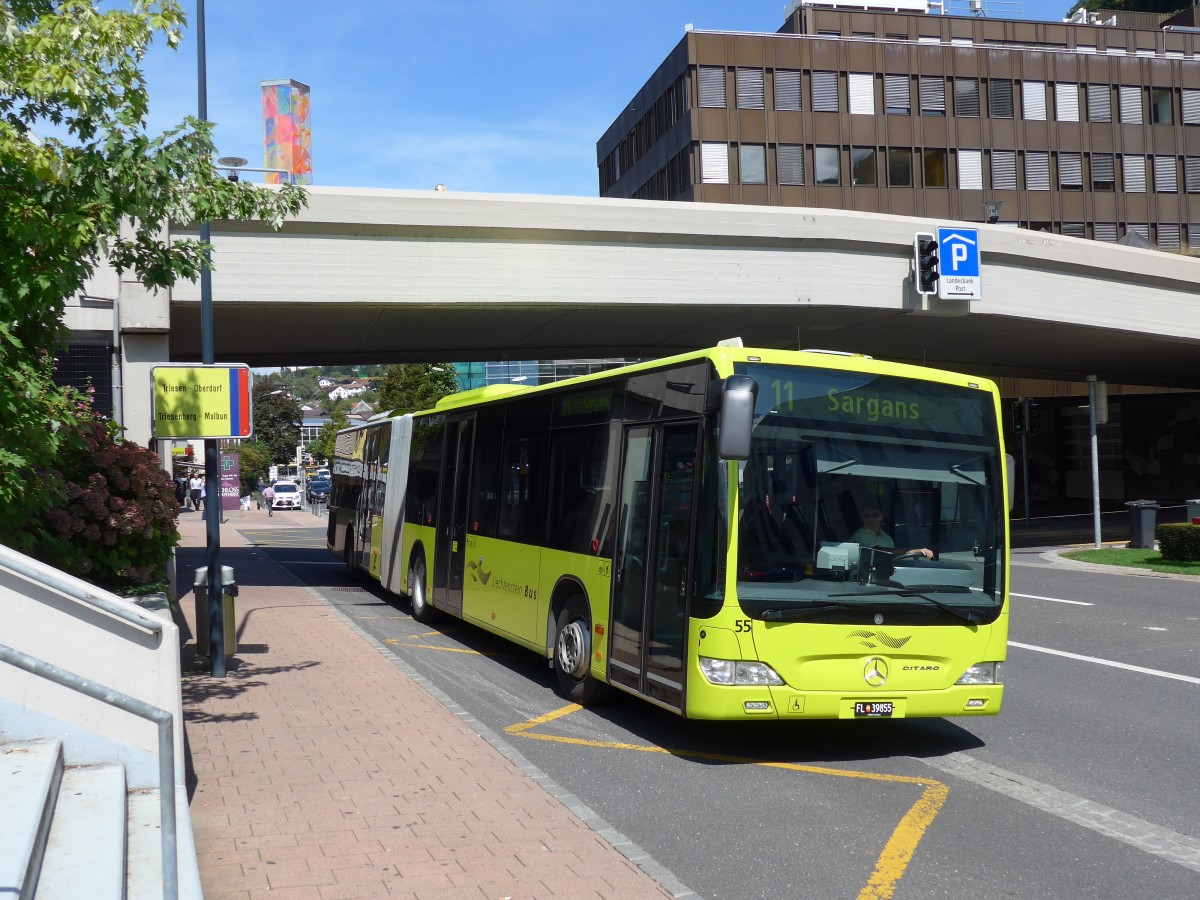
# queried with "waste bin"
point(1194, 512)
point(203, 626)
point(1142, 514)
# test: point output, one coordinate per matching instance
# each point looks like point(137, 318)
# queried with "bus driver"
point(872, 534)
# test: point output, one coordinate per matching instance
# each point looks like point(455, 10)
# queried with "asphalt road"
point(1086, 785)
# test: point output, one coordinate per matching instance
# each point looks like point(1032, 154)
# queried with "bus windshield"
point(870, 495)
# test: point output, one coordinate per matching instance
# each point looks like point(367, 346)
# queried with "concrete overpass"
point(384, 276)
point(378, 276)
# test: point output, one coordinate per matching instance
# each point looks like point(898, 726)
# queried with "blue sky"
point(412, 93)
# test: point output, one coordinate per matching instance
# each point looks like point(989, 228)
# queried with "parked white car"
point(287, 495)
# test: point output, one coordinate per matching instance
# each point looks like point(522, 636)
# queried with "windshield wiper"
point(796, 612)
point(969, 617)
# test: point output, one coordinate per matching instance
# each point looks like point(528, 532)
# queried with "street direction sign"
point(960, 277)
point(202, 401)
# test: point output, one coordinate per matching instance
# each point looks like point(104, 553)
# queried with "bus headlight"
point(982, 673)
point(728, 671)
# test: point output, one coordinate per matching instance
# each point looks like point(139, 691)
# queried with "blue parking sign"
point(958, 254)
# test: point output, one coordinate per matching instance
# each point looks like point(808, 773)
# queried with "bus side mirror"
point(1010, 466)
point(737, 417)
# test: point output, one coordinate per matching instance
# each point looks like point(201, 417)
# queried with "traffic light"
point(1018, 414)
point(1031, 415)
point(926, 252)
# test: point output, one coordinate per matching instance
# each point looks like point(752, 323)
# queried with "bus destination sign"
point(202, 401)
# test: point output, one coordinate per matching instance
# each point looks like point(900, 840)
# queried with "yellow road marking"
point(447, 649)
point(898, 851)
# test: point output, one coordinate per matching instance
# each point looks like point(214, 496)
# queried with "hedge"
point(1179, 542)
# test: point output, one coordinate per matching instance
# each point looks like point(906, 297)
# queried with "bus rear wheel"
point(573, 654)
point(421, 610)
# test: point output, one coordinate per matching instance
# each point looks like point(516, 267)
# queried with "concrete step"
point(30, 773)
point(85, 851)
point(144, 847)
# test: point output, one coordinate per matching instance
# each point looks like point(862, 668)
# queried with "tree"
point(81, 180)
point(276, 422)
point(412, 386)
point(322, 447)
point(1154, 6)
point(254, 463)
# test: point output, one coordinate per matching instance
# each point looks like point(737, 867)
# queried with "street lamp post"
point(212, 449)
point(991, 210)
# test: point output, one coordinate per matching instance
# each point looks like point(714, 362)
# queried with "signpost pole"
point(212, 451)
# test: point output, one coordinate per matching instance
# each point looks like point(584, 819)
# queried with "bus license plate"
point(877, 709)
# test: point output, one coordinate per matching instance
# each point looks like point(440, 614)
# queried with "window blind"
point(750, 89)
point(712, 86)
point(1033, 100)
point(1066, 101)
point(714, 163)
point(787, 89)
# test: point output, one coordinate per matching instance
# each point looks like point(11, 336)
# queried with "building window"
point(896, 101)
point(1033, 100)
point(1070, 170)
point(862, 93)
point(932, 89)
point(1161, 107)
point(1166, 175)
point(1104, 172)
point(862, 166)
point(712, 87)
point(1134, 174)
point(970, 169)
point(790, 161)
point(1131, 104)
point(1099, 101)
point(787, 89)
point(827, 165)
point(935, 168)
point(825, 91)
point(1191, 174)
point(1142, 230)
point(1105, 231)
point(1168, 236)
point(1000, 98)
point(1037, 171)
point(966, 97)
point(1004, 170)
point(1073, 229)
point(1066, 102)
point(752, 162)
point(714, 163)
point(899, 168)
point(750, 89)
point(1191, 107)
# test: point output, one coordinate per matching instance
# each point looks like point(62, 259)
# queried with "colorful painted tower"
point(287, 139)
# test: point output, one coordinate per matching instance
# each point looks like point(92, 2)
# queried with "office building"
point(1088, 128)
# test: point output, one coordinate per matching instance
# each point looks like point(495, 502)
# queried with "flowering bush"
point(116, 525)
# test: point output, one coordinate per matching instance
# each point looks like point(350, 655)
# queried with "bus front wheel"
point(421, 610)
point(573, 654)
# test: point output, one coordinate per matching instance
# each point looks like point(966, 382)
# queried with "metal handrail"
point(166, 747)
point(65, 584)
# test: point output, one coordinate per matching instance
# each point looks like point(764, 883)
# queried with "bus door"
point(654, 542)
point(450, 547)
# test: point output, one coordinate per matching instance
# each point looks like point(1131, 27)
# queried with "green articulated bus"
point(704, 531)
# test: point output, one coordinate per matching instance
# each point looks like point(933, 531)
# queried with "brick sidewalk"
point(323, 770)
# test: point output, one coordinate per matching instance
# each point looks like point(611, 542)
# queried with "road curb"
point(1056, 556)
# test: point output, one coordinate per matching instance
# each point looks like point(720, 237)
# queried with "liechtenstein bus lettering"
point(684, 530)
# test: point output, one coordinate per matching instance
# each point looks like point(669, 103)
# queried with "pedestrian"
point(195, 487)
point(268, 496)
point(204, 498)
